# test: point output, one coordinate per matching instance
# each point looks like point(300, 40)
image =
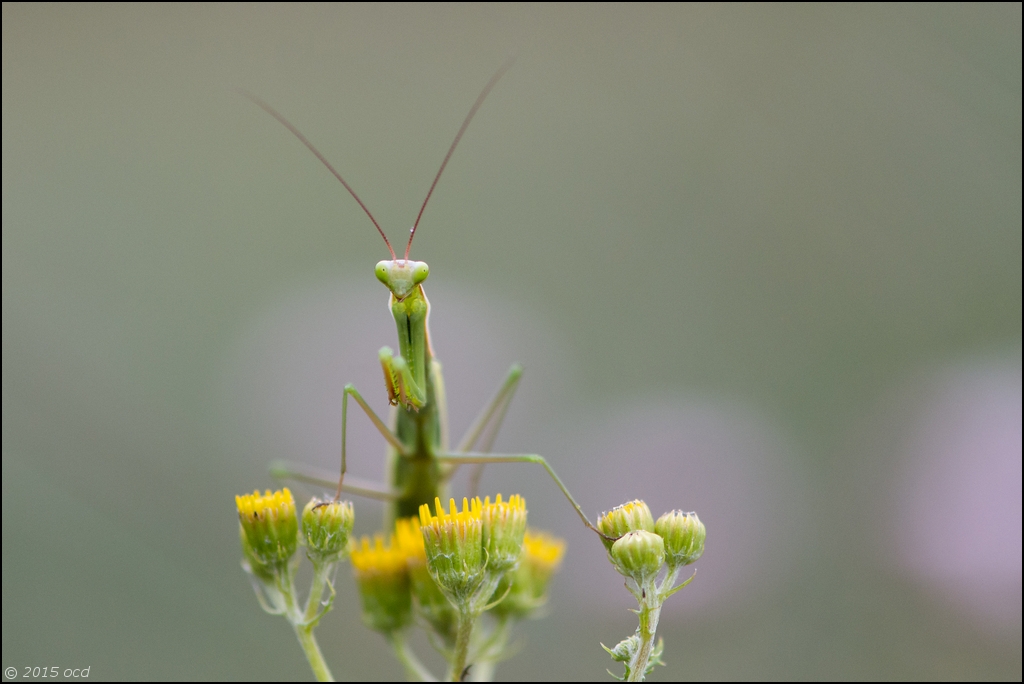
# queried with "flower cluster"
point(468, 552)
point(638, 546)
point(447, 561)
point(448, 567)
point(269, 531)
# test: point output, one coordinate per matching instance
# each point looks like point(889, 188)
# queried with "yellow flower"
point(453, 542)
point(543, 551)
point(256, 506)
point(432, 604)
point(383, 580)
point(378, 559)
point(410, 540)
point(504, 524)
point(269, 527)
point(542, 555)
point(469, 514)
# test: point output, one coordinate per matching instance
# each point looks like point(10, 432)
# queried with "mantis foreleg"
point(402, 386)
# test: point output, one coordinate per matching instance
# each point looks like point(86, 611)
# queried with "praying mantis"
point(420, 459)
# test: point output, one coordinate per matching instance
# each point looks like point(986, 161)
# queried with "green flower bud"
point(628, 517)
point(638, 555)
point(684, 537)
point(269, 527)
point(327, 526)
point(383, 581)
point(453, 543)
point(504, 524)
point(625, 649)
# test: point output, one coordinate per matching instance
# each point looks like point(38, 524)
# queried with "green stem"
point(414, 669)
point(304, 621)
point(491, 652)
point(316, 590)
point(649, 614)
point(279, 590)
point(651, 599)
point(313, 654)
point(461, 656)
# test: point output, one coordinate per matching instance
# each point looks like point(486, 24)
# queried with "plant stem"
point(304, 621)
point(313, 654)
point(316, 590)
point(414, 669)
point(491, 651)
point(650, 611)
point(465, 630)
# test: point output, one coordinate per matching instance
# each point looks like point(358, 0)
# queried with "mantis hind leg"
point(299, 472)
point(482, 458)
point(487, 424)
point(495, 409)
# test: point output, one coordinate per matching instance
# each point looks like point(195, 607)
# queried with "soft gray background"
point(761, 262)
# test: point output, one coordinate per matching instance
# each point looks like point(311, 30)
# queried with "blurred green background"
point(761, 262)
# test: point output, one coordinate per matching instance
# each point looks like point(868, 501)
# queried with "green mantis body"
point(420, 461)
point(415, 386)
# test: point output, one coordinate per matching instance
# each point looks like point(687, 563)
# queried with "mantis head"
point(401, 276)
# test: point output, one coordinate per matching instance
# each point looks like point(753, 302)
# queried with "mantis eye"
point(381, 271)
point(420, 272)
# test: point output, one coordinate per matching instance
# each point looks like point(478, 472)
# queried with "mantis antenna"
point(458, 136)
point(305, 141)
